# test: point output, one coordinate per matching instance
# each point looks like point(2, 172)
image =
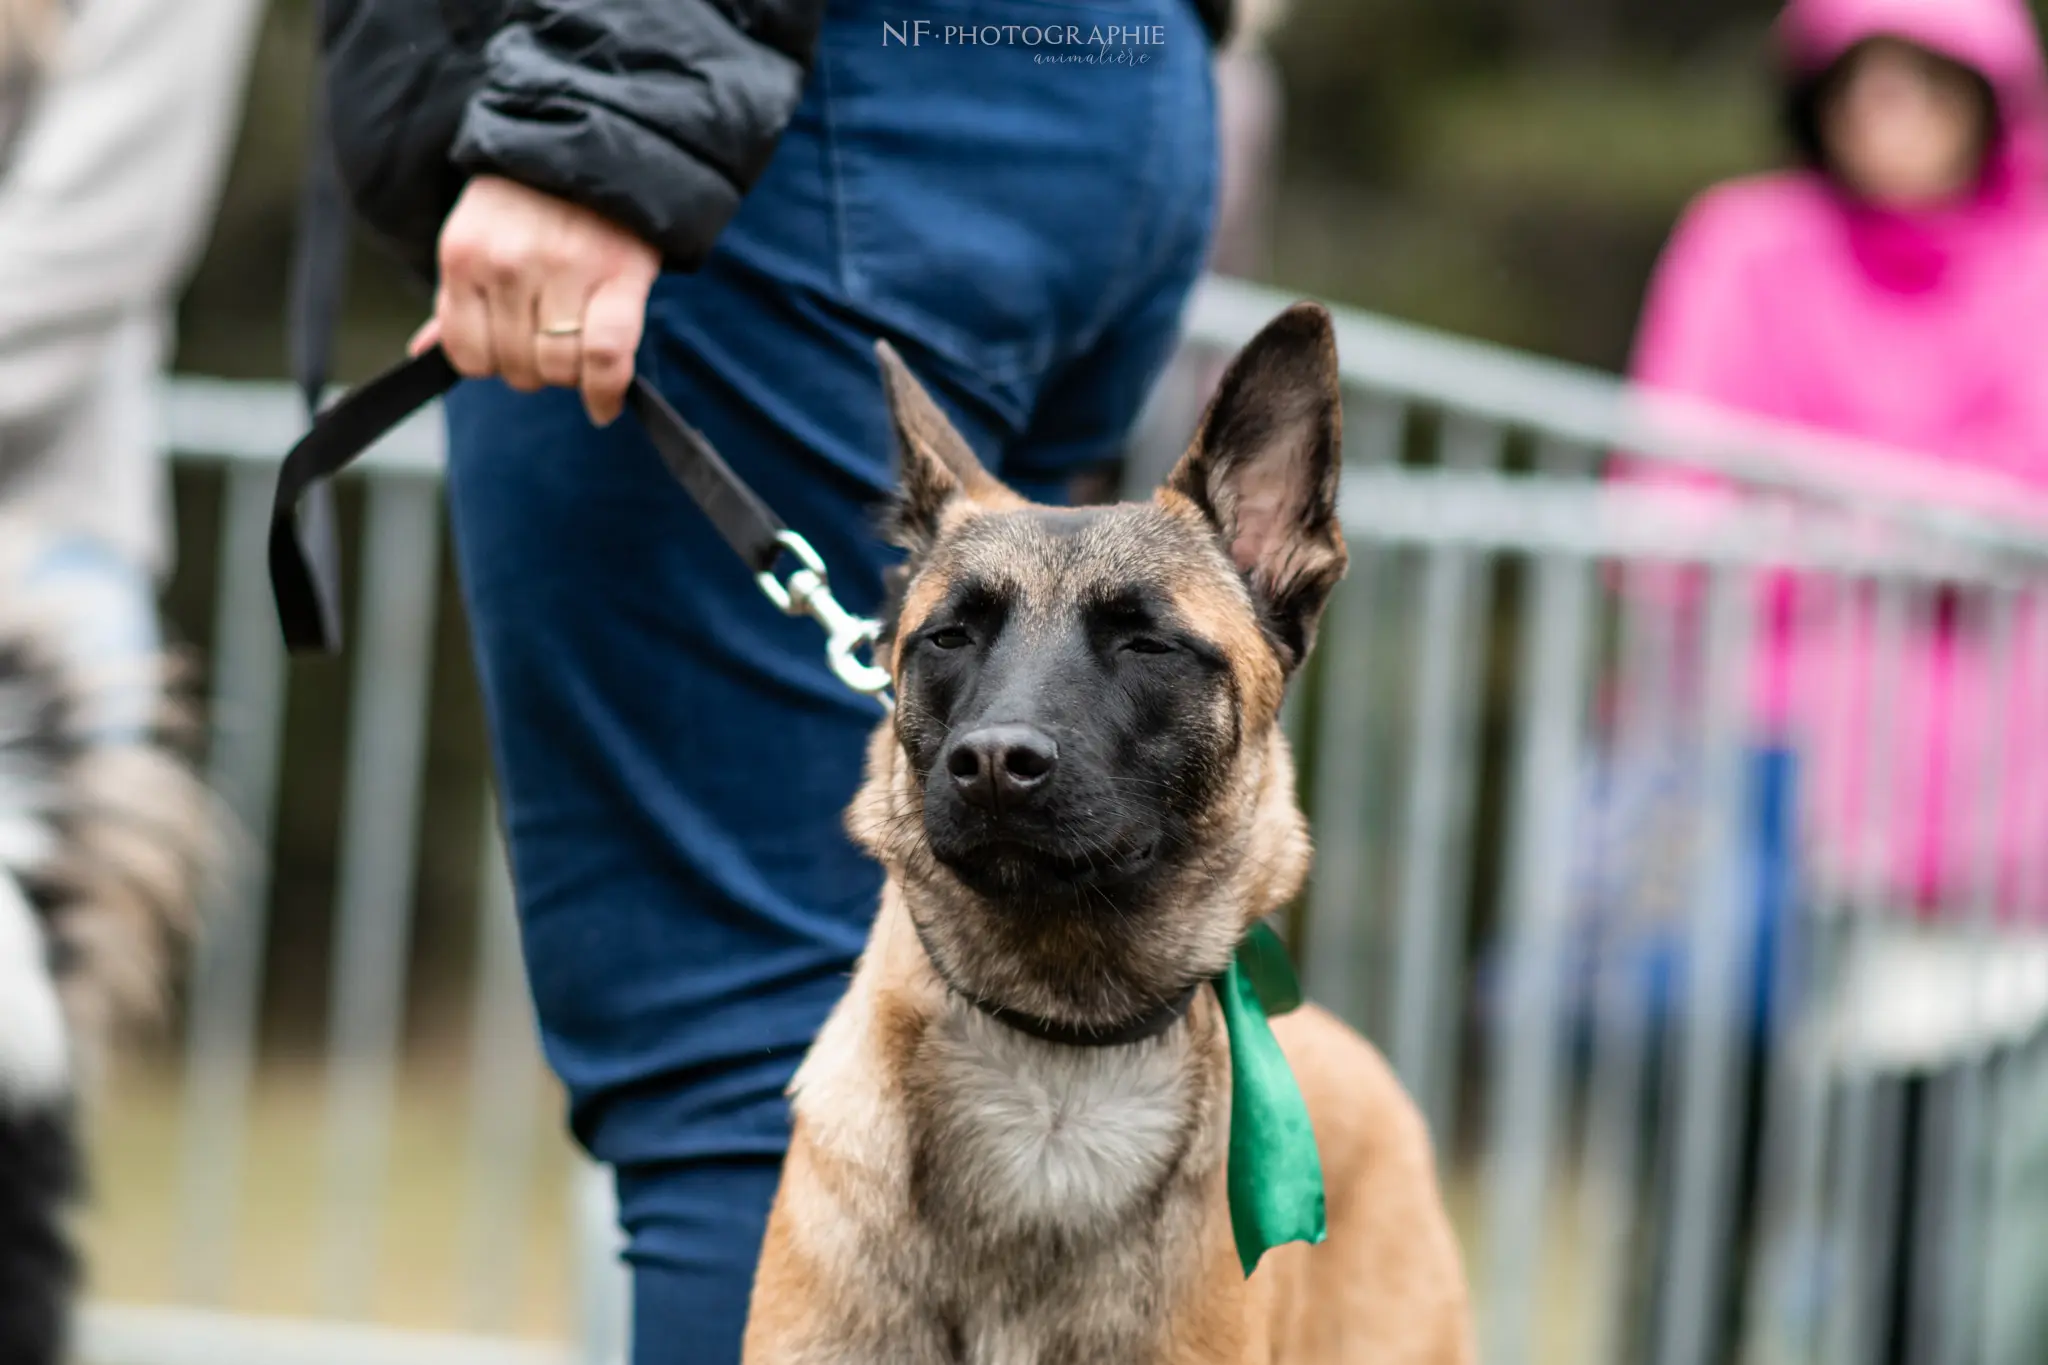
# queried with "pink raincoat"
point(1928, 331)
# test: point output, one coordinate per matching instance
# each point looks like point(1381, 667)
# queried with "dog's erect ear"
point(934, 464)
point(1264, 470)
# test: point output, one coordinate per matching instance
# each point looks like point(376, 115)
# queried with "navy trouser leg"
point(674, 758)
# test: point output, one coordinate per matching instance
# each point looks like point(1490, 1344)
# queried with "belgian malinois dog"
point(1011, 1135)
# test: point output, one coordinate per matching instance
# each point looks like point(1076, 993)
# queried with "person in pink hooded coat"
point(1893, 289)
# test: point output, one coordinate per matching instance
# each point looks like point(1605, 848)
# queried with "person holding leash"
point(735, 201)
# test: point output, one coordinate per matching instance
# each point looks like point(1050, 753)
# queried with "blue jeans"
point(673, 755)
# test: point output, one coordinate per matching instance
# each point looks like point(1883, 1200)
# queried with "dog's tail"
point(106, 840)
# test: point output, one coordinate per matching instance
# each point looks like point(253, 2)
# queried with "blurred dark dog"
point(106, 837)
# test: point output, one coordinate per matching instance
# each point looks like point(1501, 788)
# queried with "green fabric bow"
point(1276, 1174)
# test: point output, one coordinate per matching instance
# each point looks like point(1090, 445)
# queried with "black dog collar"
point(1146, 1026)
point(1143, 1028)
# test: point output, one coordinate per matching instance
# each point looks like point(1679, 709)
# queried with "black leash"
point(304, 572)
point(305, 582)
point(319, 278)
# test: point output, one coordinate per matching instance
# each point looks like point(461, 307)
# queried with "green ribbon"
point(1276, 1174)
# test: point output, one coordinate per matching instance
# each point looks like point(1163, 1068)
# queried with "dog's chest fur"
point(1014, 1135)
point(1020, 1203)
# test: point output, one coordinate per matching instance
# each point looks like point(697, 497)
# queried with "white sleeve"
point(113, 183)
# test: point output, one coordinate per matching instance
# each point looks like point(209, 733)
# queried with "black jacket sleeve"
point(659, 114)
point(398, 76)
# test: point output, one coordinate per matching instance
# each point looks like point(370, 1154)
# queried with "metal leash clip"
point(808, 592)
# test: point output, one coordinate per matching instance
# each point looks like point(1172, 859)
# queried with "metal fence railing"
point(1625, 799)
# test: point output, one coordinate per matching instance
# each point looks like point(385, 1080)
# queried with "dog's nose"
point(1000, 765)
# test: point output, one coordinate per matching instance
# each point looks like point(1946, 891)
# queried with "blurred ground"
point(131, 1222)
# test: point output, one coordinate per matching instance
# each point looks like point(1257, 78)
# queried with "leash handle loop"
point(304, 566)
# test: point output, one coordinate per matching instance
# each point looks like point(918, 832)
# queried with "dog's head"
point(1085, 793)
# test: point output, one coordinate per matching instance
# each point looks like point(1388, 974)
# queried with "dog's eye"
point(951, 637)
point(1147, 644)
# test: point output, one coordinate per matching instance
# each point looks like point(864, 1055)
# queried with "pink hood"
point(1784, 296)
point(1993, 37)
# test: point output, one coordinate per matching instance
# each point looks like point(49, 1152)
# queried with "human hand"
point(539, 291)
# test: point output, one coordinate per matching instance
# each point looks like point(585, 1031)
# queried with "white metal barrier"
point(1481, 668)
